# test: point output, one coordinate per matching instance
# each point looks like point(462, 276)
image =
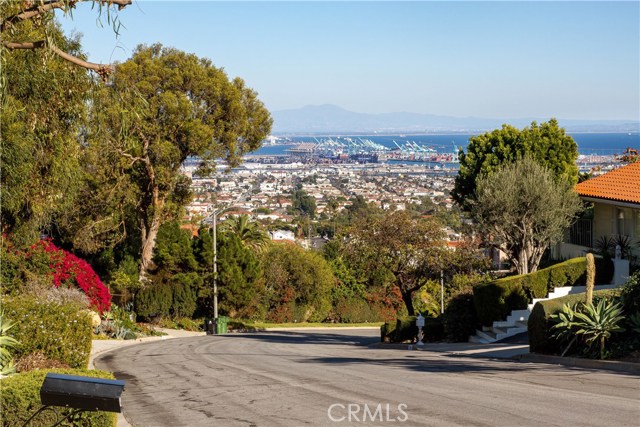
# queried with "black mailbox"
point(86, 393)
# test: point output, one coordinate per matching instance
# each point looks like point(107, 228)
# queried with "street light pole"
point(215, 267)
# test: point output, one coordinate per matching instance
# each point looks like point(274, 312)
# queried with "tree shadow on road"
point(417, 363)
point(291, 337)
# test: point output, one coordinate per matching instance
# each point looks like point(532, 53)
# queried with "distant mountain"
point(333, 119)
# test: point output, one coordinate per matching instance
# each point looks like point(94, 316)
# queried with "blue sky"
point(571, 60)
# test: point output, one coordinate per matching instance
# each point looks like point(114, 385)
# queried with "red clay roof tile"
point(622, 184)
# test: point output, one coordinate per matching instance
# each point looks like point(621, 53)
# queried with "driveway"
point(331, 378)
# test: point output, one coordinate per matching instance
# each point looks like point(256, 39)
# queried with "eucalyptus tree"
point(158, 109)
point(29, 25)
point(522, 208)
point(43, 101)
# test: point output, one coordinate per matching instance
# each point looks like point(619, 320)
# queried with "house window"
point(622, 218)
point(581, 232)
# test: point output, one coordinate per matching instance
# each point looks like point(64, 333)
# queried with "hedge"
point(460, 318)
point(20, 398)
point(495, 300)
point(61, 332)
point(406, 330)
point(540, 323)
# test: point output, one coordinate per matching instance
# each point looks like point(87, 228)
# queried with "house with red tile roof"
point(616, 211)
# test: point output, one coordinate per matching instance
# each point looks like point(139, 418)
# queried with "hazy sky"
point(571, 60)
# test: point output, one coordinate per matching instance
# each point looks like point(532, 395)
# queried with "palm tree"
point(249, 232)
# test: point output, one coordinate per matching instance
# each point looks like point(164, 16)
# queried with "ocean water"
point(588, 143)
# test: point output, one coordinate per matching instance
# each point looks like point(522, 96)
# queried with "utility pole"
point(441, 292)
point(214, 242)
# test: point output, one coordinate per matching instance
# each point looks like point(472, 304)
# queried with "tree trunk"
point(148, 243)
point(408, 302)
point(149, 228)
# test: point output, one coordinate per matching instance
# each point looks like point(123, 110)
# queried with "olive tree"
point(522, 208)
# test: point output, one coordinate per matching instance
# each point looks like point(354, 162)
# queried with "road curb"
point(610, 365)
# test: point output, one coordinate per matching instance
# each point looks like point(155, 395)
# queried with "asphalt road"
point(330, 378)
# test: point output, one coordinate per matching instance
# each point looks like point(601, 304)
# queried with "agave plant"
point(564, 326)
point(564, 322)
point(6, 342)
point(598, 322)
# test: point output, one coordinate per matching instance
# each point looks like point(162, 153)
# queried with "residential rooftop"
point(622, 185)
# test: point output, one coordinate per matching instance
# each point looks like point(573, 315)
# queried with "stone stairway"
point(516, 322)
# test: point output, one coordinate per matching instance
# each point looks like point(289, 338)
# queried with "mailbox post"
point(420, 325)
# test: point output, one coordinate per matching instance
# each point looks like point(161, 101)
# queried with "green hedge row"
point(540, 322)
point(405, 329)
point(61, 332)
point(20, 398)
point(495, 300)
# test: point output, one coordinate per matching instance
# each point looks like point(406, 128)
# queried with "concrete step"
point(516, 322)
point(490, 336)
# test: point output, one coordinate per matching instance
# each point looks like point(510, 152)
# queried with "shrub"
point(154, 300)
point(406, 329)
point(604, 270)
point(68, 270)
point(43, 261)
point(536, 284)
point(20, 398)
point(460, 318)
point(184, 300)
point(387, 331)
point(631, 294)
point(433, 329)
point(540, 321)
point(61, 332)
point(495, 300)
point(354, 310)
point(38, 360)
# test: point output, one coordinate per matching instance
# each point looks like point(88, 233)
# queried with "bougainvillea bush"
point(62, 267)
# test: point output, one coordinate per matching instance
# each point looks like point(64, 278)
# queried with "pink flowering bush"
point(68, 270)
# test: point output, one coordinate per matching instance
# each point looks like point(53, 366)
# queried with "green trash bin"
point(221, 325)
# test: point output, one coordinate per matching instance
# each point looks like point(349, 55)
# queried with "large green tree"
point(161, 107)
point(239, 277)
point(547, 143)
point(298, 284)
point(43, 103)
point(522, 208)
point(409, 249)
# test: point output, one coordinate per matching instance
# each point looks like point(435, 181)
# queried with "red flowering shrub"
point(68, 270)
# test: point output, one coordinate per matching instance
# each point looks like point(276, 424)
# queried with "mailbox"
point(86, 393)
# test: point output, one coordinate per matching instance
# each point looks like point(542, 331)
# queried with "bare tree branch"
point(50, 5)
point(102, 69)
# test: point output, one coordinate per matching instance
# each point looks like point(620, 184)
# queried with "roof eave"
point(610, 202)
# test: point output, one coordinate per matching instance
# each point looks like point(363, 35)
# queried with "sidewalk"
point(517, 352)
point(491, 351)
point(103, 346)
